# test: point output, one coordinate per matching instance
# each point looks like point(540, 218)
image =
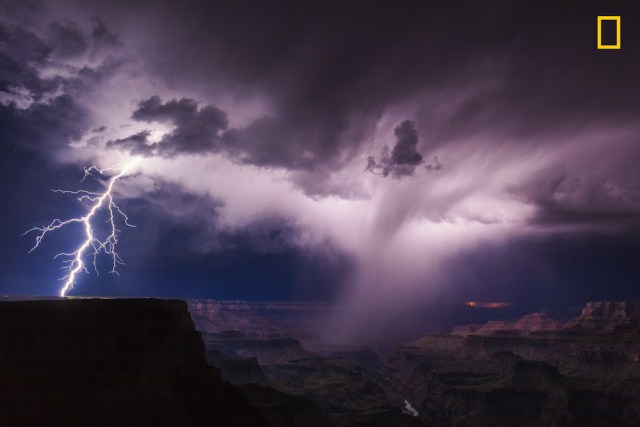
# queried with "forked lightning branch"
point(92, 246)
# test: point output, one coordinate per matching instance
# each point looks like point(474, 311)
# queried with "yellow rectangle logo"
point(618, 25)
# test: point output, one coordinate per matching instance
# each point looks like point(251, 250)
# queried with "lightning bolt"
point(98, 201)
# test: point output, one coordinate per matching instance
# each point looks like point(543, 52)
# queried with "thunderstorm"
point(91, 246)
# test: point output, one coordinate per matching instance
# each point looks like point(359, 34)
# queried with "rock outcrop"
point(530, 372)
point(607, 315)
point(536, 322)
point(110, 362)
point(529, 323)
point(343, 387)
point(276, 319)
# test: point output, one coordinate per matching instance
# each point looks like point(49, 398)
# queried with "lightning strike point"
point(98, 201)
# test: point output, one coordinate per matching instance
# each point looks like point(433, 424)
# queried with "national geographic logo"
point(609, 32)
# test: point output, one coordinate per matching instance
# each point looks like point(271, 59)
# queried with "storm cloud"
point(195, 130)
point(499, 119)
point(403, 158)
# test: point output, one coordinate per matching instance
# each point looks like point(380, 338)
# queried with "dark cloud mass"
point(43, 110)
point(34, 114)
point(67, 40)
point(608, 201)
point(204, 129)
point(136, 144)
point(196, 130)
point(330, 69)
point(21, 54)
point(403, 158)
point(256, 120)
point(404, 152)
point(101, 35)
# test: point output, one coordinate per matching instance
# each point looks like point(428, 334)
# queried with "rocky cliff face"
point(529, 323)
point(536, 322)
point(257, 319)
point(606, 316)
point(531, 372)
point(534, 371)
point(110, 362)
point(343, 387)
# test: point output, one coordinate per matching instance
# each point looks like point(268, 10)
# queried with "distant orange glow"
point(479, 304)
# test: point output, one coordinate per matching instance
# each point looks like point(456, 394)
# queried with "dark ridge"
point(110, 362)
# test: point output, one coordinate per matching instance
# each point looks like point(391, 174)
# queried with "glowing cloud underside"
point(92, 245)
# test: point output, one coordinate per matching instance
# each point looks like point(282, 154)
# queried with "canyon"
point(531, 371)
point(235, 363)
